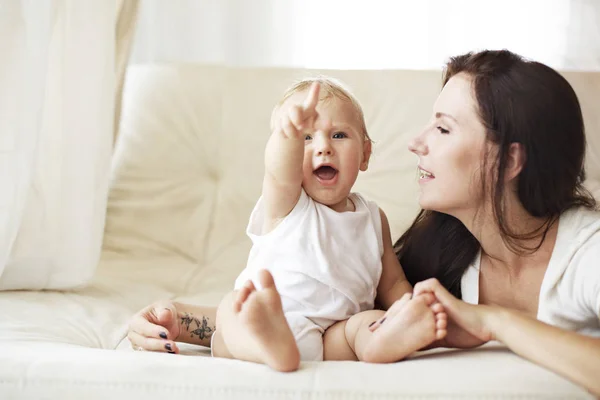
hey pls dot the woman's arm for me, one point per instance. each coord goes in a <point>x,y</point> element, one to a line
<point>196,323</point>
<point>572,355</point>
<point>159,326</point>
<point>567,353</point>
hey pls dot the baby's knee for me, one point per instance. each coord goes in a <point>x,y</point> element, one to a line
<point>335,344</point>
<point>227,300</point>
<point>225,308</point>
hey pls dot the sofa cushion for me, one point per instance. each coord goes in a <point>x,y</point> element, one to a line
<point>53,371</point>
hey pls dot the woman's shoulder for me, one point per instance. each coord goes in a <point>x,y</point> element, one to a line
<point>578,243</point>
<point>581,214</point>
<point>570,294</point>
<point>579,225</point>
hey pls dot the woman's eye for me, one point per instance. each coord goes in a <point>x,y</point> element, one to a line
<point>307,137</point>
<point>339,135</point>
<point>442,130</point>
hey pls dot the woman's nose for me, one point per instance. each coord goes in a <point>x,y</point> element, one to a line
<point>417,145</point>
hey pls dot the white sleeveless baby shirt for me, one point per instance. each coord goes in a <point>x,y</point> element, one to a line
<point>326,264</point>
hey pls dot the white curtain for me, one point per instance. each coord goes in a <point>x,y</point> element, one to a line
<point>58,80</point>
<point>365,34</point>
<point>583,36</point>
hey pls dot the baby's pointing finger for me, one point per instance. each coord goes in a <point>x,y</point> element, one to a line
<point>310,104</point>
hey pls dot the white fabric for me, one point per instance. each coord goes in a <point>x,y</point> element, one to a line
<point>187,171</point>
<point>308,335</point>
<point>56,130</point>
<point>66,372</point>
<point>326,264</point>
<point>570,292</point>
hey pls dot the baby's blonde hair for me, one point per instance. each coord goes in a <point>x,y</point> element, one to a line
<point>330,87</point>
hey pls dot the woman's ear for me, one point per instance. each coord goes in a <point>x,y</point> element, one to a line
<point>366,155</point>
<point>515,161</point>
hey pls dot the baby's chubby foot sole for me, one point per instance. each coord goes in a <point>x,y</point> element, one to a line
<point>413,326</point>
<point>261,314</point>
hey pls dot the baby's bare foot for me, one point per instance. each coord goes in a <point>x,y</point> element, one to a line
<point>441,321</point>
<point>413,326</point>
<point>260,312</point>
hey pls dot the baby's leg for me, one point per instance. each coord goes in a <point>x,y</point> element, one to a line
<point>251,326</point>
<point>335,345</point>
<point>409,326</point>
<point>336,341</point>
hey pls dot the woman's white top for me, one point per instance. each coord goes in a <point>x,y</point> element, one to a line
<point>570,292</point>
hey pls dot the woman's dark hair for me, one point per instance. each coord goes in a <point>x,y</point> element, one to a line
<point>519,101</point>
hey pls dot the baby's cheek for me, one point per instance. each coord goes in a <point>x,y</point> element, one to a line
<point>307,163</point>
<point>355,158</point>
<point>307,169</point>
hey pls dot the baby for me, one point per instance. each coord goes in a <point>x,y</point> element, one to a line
<point>321,253</point>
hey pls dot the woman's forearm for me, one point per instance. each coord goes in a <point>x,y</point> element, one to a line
<point>572,355</point>
<point>196,323</point>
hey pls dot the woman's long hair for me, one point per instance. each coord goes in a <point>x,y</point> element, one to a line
<point>518,101</point>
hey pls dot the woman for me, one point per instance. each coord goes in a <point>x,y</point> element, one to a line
<point>506,222</point>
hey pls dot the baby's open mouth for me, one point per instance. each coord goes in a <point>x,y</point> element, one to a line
<point>325,173</point>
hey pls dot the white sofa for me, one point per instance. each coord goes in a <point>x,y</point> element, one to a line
<point>187,171</point>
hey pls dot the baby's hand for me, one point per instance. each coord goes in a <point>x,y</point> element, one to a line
<point>155,328</point>
<point>301,118</point>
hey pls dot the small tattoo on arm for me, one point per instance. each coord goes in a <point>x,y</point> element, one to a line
<point>194,326</point>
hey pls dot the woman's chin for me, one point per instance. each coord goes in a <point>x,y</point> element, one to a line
<point>430,204</point>
<point>425,203</point>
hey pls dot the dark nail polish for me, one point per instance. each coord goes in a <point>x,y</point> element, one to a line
<point>163,335</point>
<point>168,347</point>
<point>372,323</point>
<point>171,352</point>
<point>382,321</point>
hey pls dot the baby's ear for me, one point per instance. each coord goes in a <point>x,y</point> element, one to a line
<point>367,148</point>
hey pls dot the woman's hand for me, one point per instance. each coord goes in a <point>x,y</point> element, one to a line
<point>155,328</point>
<point>457,338</point>
<point>469,324</point>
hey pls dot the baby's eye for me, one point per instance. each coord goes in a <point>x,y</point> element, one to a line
<point>307,137</point>
<point>442,130</point>
<point>339,135</point>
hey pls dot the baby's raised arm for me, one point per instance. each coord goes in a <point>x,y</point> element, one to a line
<point>284,156</point>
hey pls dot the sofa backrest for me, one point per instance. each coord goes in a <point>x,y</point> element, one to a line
<point>188,165</point>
